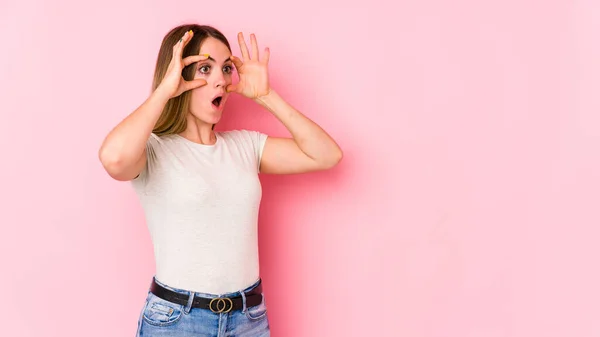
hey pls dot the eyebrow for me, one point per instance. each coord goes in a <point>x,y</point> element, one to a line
<point>212,59</point>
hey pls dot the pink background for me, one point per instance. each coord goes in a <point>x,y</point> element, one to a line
<point>466,204</point>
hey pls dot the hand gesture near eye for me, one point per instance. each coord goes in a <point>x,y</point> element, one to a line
<point>253,75</point>
<point>173,84</point>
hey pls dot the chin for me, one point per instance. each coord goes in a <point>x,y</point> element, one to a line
<point>213,118</point>
<point>208,117</point>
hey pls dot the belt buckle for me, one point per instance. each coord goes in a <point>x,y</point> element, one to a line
<point>223,305</point>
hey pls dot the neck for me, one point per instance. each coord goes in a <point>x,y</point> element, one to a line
<point>199,132</point>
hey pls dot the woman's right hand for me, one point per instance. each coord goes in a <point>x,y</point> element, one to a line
<point>173,84</point>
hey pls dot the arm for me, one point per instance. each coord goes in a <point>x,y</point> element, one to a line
<point>123,151</point>
<point>309,149</point>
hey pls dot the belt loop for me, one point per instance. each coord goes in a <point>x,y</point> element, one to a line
<point>188,306</point>
<point>243,301</point>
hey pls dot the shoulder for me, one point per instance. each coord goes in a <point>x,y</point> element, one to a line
<point>236,133</point>
<point>154,138</point>
<point>156,141</point>
<point>250,142</point>
<point>158,146</point>
<point>244,136</point>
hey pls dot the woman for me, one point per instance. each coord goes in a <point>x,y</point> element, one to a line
<point>199,188</point>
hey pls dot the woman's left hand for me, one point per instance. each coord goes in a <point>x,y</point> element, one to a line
<point>253,73</point>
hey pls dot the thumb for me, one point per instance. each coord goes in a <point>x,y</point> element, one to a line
<point>231,88</point>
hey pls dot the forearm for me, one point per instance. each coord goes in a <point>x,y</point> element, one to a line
<point>308,135</point>
<point>126,142</point>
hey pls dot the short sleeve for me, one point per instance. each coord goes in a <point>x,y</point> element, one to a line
<point>151,145</point>
<point>260,139</point>
<point>254,143</point>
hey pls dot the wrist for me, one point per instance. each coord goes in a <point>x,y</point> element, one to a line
<point>161,95</point>
<point>267,98</point>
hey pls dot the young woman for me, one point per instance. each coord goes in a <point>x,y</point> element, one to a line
<point>199,188</point>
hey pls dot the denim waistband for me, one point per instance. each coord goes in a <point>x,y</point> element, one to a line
<point>207,295</point>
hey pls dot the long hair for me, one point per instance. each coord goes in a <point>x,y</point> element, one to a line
<point>173,117</point>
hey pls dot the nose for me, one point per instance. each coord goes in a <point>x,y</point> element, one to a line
<point>219,79</point>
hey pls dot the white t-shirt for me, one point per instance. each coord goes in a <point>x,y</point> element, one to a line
<point>201,205</point>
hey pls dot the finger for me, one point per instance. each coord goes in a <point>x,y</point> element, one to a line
<point>193,84</point>
<point>194,58</point>
<point>243,47</point>
<point>178,47</point>
<point>254,46</point>
<point>266,56</point>
<point>236,62</point>
<point>231,88</point>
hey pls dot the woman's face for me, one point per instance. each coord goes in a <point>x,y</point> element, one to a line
<point>208,101</point>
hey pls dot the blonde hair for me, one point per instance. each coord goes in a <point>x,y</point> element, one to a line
<point>173,117</point>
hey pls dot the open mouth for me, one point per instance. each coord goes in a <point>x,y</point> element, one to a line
<point>217,101</point>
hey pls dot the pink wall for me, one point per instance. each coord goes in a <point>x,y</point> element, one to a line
<point>466,204</point>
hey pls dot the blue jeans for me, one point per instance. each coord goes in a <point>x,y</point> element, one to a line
<point>164,318</point>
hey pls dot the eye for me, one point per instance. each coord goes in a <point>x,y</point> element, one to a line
<point>204,69</point>
<point>227,69</point>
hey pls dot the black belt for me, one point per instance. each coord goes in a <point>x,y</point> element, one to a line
<point>216,305</point>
